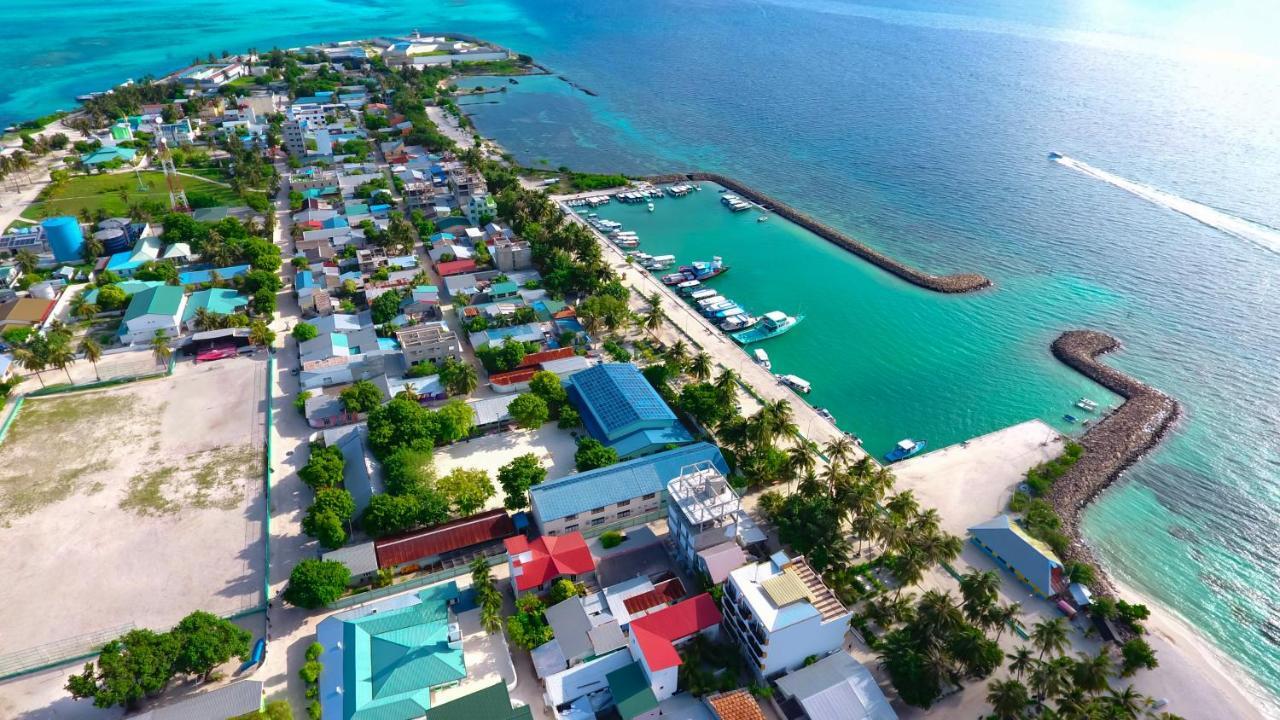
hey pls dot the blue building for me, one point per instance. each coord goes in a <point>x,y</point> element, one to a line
<point>1030,560</point>
<point>65,238</point>
<point>612,494</point>
<point>622,410</point>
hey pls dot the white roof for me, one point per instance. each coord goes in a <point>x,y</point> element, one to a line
<point>748,579</point>
<point>838,686</point>
<point>776,316</point>
<point>906,444</point>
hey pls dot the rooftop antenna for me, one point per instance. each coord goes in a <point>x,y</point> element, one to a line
<point>177,196</point>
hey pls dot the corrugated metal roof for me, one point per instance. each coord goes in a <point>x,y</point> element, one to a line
<point>489,703</point>
<point>785,588</point>
<point>837,686</point>
<point>238,698</point>
<point>632,692</point>
<point>456,535</point>
<point>359,559</point>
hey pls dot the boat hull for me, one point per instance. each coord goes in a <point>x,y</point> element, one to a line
<point>760,332</point>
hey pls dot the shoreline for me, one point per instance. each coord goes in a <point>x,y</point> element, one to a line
<point>1112,445</point>
<point>948,284</point>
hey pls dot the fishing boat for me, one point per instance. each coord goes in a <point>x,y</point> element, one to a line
<point>825,414</point>
<point>688,287</point>
<point>675,279</point>
<point>627,242</point>
<point>795,382</point>
<point>703,270</point>
<point>702,294</point>
<point>728,312</point>
<point>772,324</point>
<point>1070,418</point>
<point>1087,405</point>
<point>706,301</point>
<point>741,321</point>
<point>904,449</point>
<point>762,359</point>
<point>650,206</point>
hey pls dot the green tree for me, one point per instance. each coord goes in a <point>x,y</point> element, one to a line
<point>706,404</point>
<point>327,517</point>
<point>112,297</point>
<point>529,411</point>
<point>454,421</point>
<point>92,352</point>
<point>407,470</point>
<point>528,628</point>
<point>361,396</point>
<point>459,378</point>
<point>400,423</point>
<point>517,476</point>
<point>1050,636</point>
<point>562,590</point>
<point>1008,698</point>
<point>316,583</point>
<point>467,489</point>
<point>812,526</point>
<point>261,334</point>
<point>386,307</point>
<point>547,386</point>
<point>390,514</point>
<point>160,348</point>
<point>569,418</point>
<point>206,641</point>
<point>326,528</point>
<point>136,666</point>
<point>324,467</point>
<point>1137,654</point>
<point>303,332</point>
<point>591,454</point>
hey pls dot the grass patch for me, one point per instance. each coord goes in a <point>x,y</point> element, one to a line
<point>37,490</point>
<point>94,192</point>
<point>204,480</point>
<point>146,493</point>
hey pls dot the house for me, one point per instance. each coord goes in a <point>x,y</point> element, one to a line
<point>24,312</point>
<point>211,76</point>
<point>584,687</point>
<point>214,301</point>
<point>780,613</point>
<point>154,310</point>
<point>358,475</point>
<point>109,156</point>
<point>654,639</point>
<point>361,560</point>
<point>704,513</point>
<point>383,659</point>
<point>491,413</point>
<point>126,263</point>
<point>457,542</point>
<point>534,564</point>
<point>835,686</point>
<point>455,267</point>
<point>623,411</point>
<point>1030,560</point>
<point>561,361</point>
<point>639,596</point>
<point>631,692</point>
<point>735,705</point>
<point>488,703</point>
<point>428,342</point>
<point>613,494</point>
<point>206,275</point>
<point>326,411</point>
<point>176,133</point>
<point>584,628</point>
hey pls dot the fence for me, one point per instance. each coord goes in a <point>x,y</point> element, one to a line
<point>266,483</point>
<point>417,582</point>
<point>109,382</point>
<point>13,413</point>
<point>59,652</point>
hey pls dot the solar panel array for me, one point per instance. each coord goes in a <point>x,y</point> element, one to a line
<point>19,240</point>
<point>620,395</point>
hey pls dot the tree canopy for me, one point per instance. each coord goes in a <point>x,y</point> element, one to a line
<point>316,583</point>
<point>361,396</point>
<point>517,476</point>
<point>529,411</point>
<point>466,489</point>
<point>592,454</point>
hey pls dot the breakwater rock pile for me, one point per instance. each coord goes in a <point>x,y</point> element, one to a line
<point>1114,443</point>
<point>961,283</point>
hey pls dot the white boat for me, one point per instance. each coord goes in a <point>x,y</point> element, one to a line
<point>762,218</point>
<point>688,287</point>
<point>795,382</point>
<point>741,321</point>
<point>762,359</point>
<point>650,206</point>
<point>1087,404</point>
<point>702,294</point>
<point>708,300</point>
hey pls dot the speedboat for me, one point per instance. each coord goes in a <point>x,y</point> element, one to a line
<point>650,206</point>
<point>1087,405</point>
<point>825,414</point>
<point>1055,156</point>
<point>762,359</point>
<point>795,382</point>
<point>904,449</point>
<point>1070,418</point>
<point>741,321</point>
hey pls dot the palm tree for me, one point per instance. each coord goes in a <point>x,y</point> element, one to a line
<point>727,382</point>
<point>978,588</point>
<point>839,451</point>
<point>1008,699</point>
<point>87,310</point>
<point>891,532</point>
<point>1050,636</point>
<point>160,348</point>
<point>937,615</point>
<point>904,505</point>
<point>26,260</point>
<point>678,355</point>
<point>261,334</point>
<point>653,319</point>
<point>1091,671</point>
<point>1020,661</point>
<point>779,419</point>
<point>62,357</point>
<point>1128,702</point>
<point>1001,617</point>
<point>800,458</point>
<point>700,367</point>
<point>1048,679</point>
<point>1073,704</point>
<point>92,352</point>
<point>30,360</point>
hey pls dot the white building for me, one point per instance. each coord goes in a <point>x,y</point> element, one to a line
<point>703,515</point>
<point>155,309</point>
<point>780,612</point>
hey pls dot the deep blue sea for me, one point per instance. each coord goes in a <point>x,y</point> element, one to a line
<point>921,127</point>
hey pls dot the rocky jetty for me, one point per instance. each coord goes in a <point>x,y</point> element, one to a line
<point>961,283</point>
<point>1113,444</point>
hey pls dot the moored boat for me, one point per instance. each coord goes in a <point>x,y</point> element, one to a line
<point>762,359</point>
<point>772,324</point>
<point>675,279</point>
<point>741,321</point>
<point>1087,405</point>
<point>905,449</point>
<point>795,382</point>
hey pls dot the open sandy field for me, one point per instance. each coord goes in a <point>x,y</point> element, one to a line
<point>553,447</point>
<point>133,505</point>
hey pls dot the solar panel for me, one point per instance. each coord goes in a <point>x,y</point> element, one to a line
<point>18,240</point>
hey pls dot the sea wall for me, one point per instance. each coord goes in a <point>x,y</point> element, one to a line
<point>961,283</point>
<point>1113,444</point>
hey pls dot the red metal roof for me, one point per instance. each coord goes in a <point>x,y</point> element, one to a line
<point>537,358</point>
<point>551,557</point>
<point>455,267</point>
<point>513,377</point>
<point>455,535</point>
<point>664,593</point>
<point>657,634</point>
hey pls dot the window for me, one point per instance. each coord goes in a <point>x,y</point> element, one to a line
<point>597,510</point>
<point>597,521</point>
<point>574,516</point>
<point>624,513</point>
<point>570,528</point>
<point>624,503</point>
<point>650,496</point>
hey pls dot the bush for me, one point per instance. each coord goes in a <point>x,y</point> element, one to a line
<point>617,352</point>
<point>323,468</point>
<point>569,418</point>
<point>529,411</point>
<point>313,710</point>
<point>611,539</point>
<point>303,332</point>
<point>314,651</point>
<point>310,672</point>
<point>300,402</point>
<point>422,369</point>
<point>316,583</point>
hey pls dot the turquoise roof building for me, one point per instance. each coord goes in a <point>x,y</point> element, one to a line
<point>105,155</point>
<point>219,301</point>
<point>622,410</point>
<point>382,660</point>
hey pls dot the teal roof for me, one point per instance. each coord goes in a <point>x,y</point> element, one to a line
<point>130,287</point>
<point>219,301</point>
<point>391,660</point>
<point>490,703</point>
<point>504,288</point>
<point>631,691</point>
<point>108,154</point>
<point>159,300</point>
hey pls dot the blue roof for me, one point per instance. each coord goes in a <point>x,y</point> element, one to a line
<point>337,221</point>
<point>583,491</point>
<point>621,409</point>
<point>1004,539</point>
<point>197,277</point>
<point>123,261</point>
<point>303,280</point>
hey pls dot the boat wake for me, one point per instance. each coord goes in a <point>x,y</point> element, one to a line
<point>1264,236</point>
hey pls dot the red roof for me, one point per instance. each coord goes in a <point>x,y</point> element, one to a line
<point>455,267</point>
<point>657,634</point>
<point>513,377</point>
<point>551,557</point>
<point>531,364</point>
<point>456,535</point>
<point>536,359</point>
<point>664,593</point>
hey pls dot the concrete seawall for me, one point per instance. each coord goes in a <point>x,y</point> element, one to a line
<point>961,283</point>
<point>1113,444</point>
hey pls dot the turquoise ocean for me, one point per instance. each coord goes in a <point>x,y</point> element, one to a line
<point>921,127</point>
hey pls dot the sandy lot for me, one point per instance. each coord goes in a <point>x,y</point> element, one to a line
<point>133,505</point>
<point>553,447</point>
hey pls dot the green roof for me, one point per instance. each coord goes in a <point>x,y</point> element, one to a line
<point>219,301</point>
<point>504,288</point>
<point>631,691</point>
<point>490,703</point>
<point>393,659</point>
<point>108,154</point>
<point>159,300</point>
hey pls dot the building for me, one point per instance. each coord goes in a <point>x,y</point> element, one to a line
<point>622,410</point>
<point>453,543</point>
<point>295,138</point>
<point>584,628</point>
<point>326,411</point>
<point>361,560</point>
<point>655,637</point>
<point>358,474</point>
<point>510,256</point>
<point>428,342</point>
<point>214,301</point>
<point>582,690</point>
<point>535,564</point>
<point>1030,560</point>
<point>154,310</point>
<point>65,238</point>
<point>613,494</point>
<point>383,660</point>
<point>492,413</point>
<point>837,686</point>
<point>706,523</point>
<point>780,613</point>
<point>734,705</point>
<point>233,700</point>
<point>24,312</point>
<point>631,693</point>
<point>109,156</point>
<point>488,703</point>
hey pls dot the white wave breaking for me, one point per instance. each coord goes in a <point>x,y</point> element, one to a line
<point>1261,235</point>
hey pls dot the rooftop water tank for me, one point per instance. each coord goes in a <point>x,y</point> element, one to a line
<point>114,240</point>
<point>65,238</point>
